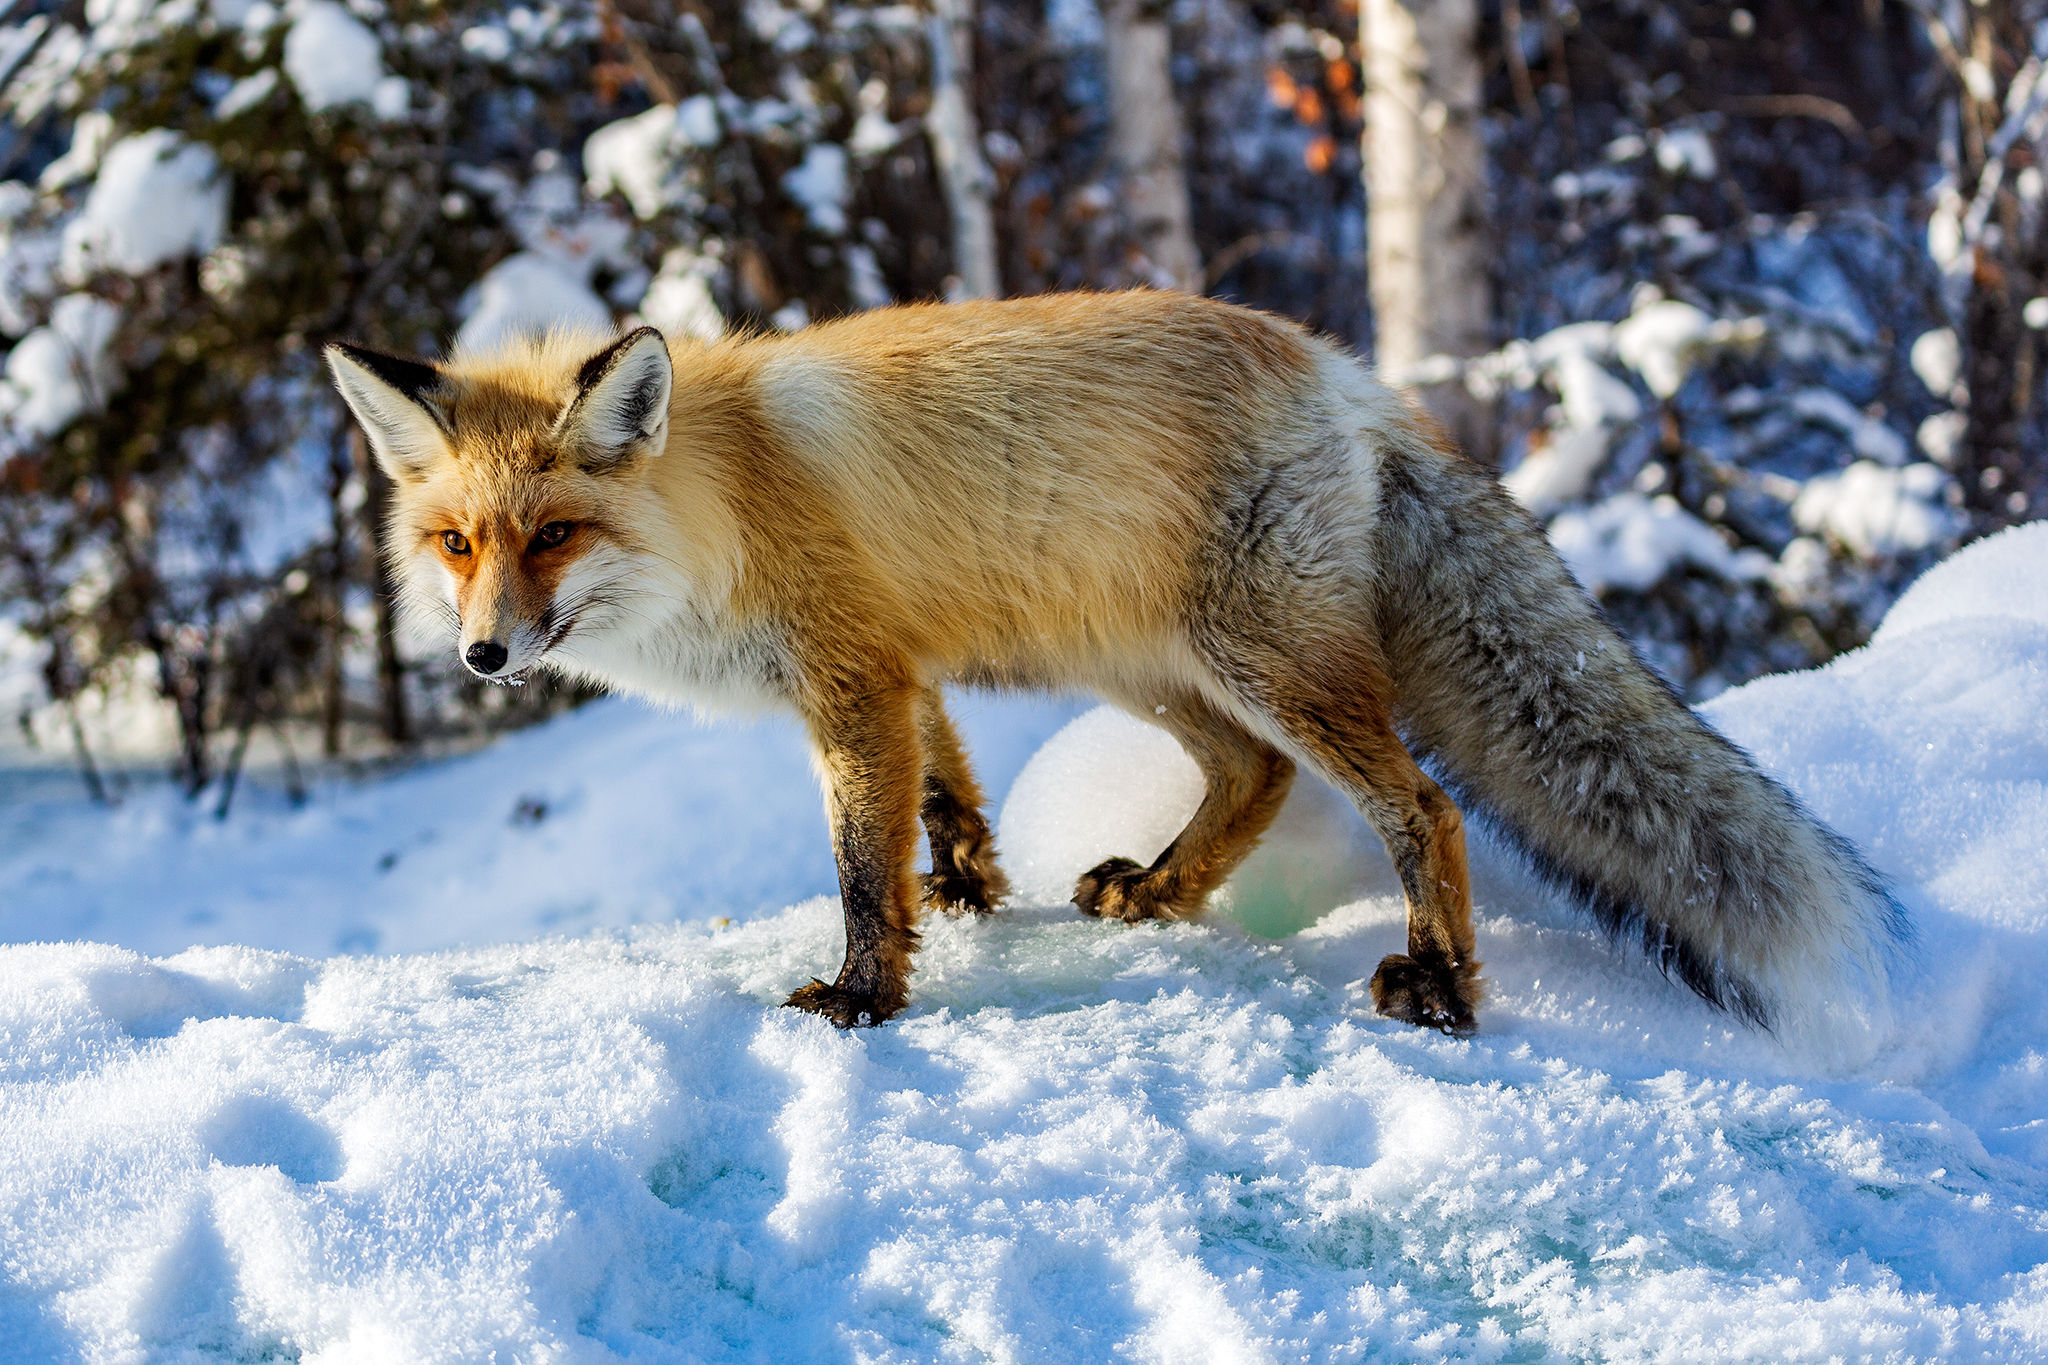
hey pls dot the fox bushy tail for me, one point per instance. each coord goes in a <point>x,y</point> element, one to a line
<point>1542,720</point>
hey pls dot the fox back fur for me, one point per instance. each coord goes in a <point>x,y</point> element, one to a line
<point>1202,513</point>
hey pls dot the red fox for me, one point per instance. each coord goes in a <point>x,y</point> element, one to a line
<point>1202,513</point>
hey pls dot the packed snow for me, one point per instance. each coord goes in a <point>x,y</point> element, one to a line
<point>483,1059</point>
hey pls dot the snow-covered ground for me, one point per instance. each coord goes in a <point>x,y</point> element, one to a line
<point>482,1061</point>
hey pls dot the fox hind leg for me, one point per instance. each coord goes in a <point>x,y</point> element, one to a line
<point>964,875</point>
<point>1346,730</point>
<point>1246,781</point>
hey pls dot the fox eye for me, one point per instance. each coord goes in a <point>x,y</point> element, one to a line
<point>454,542</point>
<point>552,535</point>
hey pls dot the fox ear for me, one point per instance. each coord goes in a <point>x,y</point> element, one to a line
<point>392,398</point>
<point>621,405</point>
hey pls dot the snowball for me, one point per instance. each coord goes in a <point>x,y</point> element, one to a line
<point>332,57</point>
<point>819,183</point>
<point>62,370</point>
<point>529,293</point>
<point>1111,785</point>
<point>1875,512</point>
<point>157,197</point>
<point>1630,541</point>
<point>1937,357</point>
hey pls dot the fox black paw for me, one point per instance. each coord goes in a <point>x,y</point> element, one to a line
<point>1428,994</point>
<point>846,1008</point>
<point>959,893</point>
<point>1120,889</point>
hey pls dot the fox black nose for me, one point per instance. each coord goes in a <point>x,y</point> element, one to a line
<point>486,656</point>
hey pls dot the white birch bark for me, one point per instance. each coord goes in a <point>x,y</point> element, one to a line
<point>1425,190</point>
<point>956,147</point>
<point>1145,139</point>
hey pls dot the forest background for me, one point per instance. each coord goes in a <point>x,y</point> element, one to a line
<point>1746,301</point>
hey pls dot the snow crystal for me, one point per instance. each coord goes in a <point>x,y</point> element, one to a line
<point>819,183</point>
<point>332,57</point>
<point>1875,511</point>
<point>529,292</point>
<point>157,197</point>
<point>1631,541</point>
<point>61,370</point>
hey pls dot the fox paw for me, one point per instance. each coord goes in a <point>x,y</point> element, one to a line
<point>1120,889</point>
<point>846,1008</point>
<point>962,892</point>
<point>1428,994</point>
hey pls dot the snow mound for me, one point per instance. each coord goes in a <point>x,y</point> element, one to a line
<point>1999,576</point>
<point>1083,1142</point>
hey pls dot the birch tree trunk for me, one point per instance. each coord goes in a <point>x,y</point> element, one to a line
<point>1145,139</point>
<point>956,148</point>
<point>1425,191</point>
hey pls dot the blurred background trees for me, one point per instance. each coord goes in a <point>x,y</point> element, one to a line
<point>1746,300</point>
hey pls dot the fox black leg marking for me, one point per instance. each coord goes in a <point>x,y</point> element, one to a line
<point>964,873</point>
<point>867,747</point>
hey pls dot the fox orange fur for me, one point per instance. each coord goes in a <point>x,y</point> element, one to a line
<point>1199,512</point>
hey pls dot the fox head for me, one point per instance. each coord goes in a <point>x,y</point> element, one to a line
<point>507,521</point>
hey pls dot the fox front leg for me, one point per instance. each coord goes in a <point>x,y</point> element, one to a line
<point>868,749</point>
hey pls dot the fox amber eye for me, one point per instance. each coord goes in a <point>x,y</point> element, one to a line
<point>551,535</point>
<point>454,543</point>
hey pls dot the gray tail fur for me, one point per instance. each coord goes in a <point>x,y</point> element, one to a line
<point>1542,720</point>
